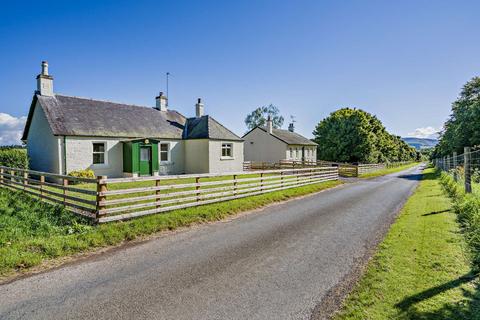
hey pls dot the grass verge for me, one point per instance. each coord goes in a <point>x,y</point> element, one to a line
<point>422,269</point>
<point>32,232</point>
<point>387,171</point>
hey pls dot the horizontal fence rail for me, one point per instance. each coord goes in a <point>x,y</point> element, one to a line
<point>345,169</point>
<point>126,198</point>
<point>53,188</point>
<point>109,199</point>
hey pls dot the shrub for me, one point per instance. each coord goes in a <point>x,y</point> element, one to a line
<point>467,208</point>
<point>14,158</point>
<point>450,186</point>
<point>86,173</point>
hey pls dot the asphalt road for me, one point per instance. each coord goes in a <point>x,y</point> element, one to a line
<point>277,263</point>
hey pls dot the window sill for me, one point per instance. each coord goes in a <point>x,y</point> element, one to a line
<point>100,165</point>
<point>227,158</point>
<point>166,163</point>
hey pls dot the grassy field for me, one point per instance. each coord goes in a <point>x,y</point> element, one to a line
<point>388,171</point>
<point>32,232</point>
<point>422,269</point>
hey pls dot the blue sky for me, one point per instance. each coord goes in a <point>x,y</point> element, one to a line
<point>404,61</point>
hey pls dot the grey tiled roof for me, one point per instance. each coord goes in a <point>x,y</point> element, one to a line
<point>206,127</point>
<point>73,116</point>
<point>290,137</point>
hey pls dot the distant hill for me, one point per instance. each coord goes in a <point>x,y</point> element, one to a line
<point>421,143</point>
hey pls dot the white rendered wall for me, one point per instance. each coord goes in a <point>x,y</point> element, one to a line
<point>196,156</point>
<point>42,145</point>
<point>262,146</point>
<point>176,161</point>
<point>79,156</point>
<point>225,164</point>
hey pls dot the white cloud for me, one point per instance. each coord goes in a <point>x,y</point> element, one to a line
<point>11,129</point>
<point>426,132</point>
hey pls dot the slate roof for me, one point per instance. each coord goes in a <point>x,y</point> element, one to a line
<point>207,128</point>
<point>73,116</point>
<point>288,137</point>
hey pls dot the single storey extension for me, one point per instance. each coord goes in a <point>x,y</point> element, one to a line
<point>267,144</point>
<point>66,133</point>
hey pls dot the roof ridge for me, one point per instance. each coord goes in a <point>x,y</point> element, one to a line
<point>113,102</point>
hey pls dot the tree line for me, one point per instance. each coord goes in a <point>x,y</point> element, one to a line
<point>347,135</point>
<point>353,135</point>
<point>462,129</point>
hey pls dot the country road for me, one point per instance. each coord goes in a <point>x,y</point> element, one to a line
<point>276,263</point>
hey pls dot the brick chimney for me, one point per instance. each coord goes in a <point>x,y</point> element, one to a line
<point>291,127</point>
<point>161,102</point>
<point>45,81</point>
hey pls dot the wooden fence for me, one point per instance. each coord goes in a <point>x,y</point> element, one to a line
<point>110,199</point>
<point>344,169</point>
<point>53,188</point>
<point>127,198</point>
<point>284,164</point>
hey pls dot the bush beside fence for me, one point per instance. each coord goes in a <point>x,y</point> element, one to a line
<point>14,158</point>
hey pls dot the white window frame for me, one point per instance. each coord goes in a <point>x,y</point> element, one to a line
<point>291,153</point>
<point>168,152</point>
<point>231,150</point>
<point>105,154</point>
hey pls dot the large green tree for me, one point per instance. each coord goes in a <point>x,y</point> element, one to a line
<point>462,129</point>
<point>258,117</point>
<point>353,135</point>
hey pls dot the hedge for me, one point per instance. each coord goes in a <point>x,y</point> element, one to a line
<point>15,158</point>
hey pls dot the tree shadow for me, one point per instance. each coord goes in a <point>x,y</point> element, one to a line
<point>435,212</point>
<point>467,308</point>
<point>418,176</point>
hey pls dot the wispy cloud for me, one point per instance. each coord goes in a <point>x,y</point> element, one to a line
<point>11,129</point>
<point>426,132</point>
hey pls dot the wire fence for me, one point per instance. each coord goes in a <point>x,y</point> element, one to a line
<point>464,167</point>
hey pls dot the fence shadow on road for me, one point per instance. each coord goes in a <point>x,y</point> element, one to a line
<point>468,308</point>
<point>417,176</point>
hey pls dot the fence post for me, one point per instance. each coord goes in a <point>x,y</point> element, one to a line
<point>42,181</point>
<point>25,180</point>
<point>197,187</point>
<point>12,173</point>
<point>261,181</point>
<point>234,184</point>
<point>101,187</point>
<point>281,179</point>
<point>65,185</point>
<point>1,175</point>
<point>468,177</point>
<point>157,193</point>
<point>455,165</point>
<point>357,170</point>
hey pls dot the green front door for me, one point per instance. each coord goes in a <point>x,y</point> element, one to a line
<point>146,160</point>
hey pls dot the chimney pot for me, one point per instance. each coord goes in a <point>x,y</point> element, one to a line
<point>291,127</point>
<point>45,81</point>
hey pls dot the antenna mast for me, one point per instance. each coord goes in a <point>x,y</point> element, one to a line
<point>168,97</point>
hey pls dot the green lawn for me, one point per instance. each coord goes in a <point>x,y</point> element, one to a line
<point>387,171</point>
<point>32,232</point>
<point>422,269</point>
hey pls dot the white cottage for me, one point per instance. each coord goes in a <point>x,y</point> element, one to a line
<point>268,144</point>
<point>65,133</point>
